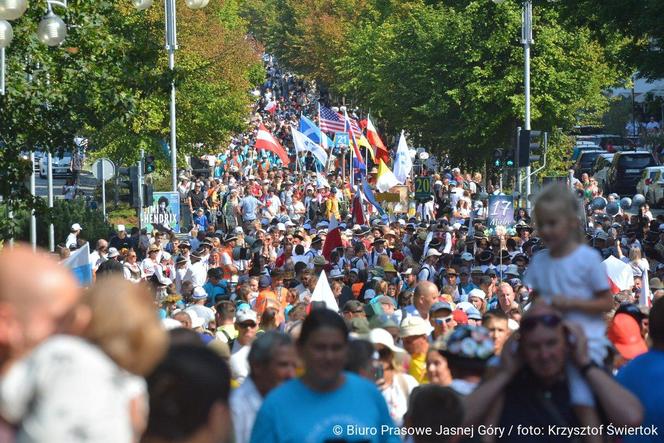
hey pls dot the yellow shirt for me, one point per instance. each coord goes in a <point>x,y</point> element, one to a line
<point>332,207</point>
<point>418,368</point>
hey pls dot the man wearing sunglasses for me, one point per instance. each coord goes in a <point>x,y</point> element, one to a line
<point>532,385</point>
<point>441,318</point>
<point>246,323</point>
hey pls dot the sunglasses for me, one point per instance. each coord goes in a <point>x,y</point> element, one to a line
<point>443,320</point>
<point>548,320</point>
<point>385,353</point>
<point>247,325</point>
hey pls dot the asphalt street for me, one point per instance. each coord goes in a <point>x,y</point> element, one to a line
<point>87,184</point>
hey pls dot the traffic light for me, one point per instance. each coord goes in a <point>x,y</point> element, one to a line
<point>134,186</point>
<point>498,158</point>
<point>509,158</point>
<point>530,144</point>
<point>148,164</point>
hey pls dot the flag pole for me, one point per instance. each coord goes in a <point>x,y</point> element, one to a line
<point>350,148</point>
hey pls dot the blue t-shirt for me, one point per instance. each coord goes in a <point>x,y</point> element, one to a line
<point>249,205</point>
<point>642,376</point>
<point>354,412</point>
<point>201,222</point>
<point>215,292</point>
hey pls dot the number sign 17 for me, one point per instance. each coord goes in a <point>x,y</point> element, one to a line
<point>500,208</point>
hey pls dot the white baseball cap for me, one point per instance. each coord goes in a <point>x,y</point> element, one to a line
<point>380,336</point>
<point>76,227</point>
<point>433,253</point>
<point>477,293</point>
<point>246,315</point>
<point>121,228</point>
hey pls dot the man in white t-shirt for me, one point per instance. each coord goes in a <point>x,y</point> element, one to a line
<point>246,323</point>
<point>273,360</point>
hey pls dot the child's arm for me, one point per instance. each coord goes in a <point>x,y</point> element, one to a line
<point>600,304</point>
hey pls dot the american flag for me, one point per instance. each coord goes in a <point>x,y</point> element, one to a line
<point>330,121</point>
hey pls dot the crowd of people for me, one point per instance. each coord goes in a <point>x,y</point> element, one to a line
<point>437,320</point>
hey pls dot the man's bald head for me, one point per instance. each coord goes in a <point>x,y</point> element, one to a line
<point>425,295</point>
<point>36,292</point>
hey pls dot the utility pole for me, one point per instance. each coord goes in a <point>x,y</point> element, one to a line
<point>140,190</point>
<point>527,41</point>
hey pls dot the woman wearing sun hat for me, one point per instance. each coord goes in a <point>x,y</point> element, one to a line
<point>394,384</point>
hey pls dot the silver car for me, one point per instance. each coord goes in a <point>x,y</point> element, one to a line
<point>61,165</point>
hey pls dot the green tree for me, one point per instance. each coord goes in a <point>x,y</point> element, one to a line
<point>452,76</point>
<point>110,82</point>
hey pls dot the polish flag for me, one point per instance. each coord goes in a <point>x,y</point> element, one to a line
<point>357,211</point>
<point>333,239</point>
<point>381,151</point>
<point>271,107</point>
<point>266,141</point>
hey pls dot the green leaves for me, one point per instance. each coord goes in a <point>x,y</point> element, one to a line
<point>110,83</point>
<point>449,72</point>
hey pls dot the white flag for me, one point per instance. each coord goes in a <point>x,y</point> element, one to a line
<point>402,162</point>
<point>303,144</point>
<point>386,179</point>
<point>323,293</point>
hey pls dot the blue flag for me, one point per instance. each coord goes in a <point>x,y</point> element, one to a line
<point>368,193</point>
<point>313,132</point>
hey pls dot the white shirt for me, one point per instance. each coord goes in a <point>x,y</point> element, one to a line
<point>396,398</point>
<point>245,402</point>
<point>197,274</point>
<point>147,266</point>
<point>96,259</point>
<point>579,275</point>
<point>239,362</point>
<point>71,240</point>
<point>67,390</point>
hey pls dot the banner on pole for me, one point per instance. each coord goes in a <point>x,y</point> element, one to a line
<point>163,214</point>
<point>501,210</point>
<point>341,139</point>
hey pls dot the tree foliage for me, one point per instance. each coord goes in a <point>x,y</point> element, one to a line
<point>639,22</point>
<point>110,82</point>
<point>449,72</point>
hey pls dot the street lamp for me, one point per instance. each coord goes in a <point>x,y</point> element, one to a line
<point>526,41</point>
<point>171,46</point>
<point>142,4</point>
<point>12,9</point>
<point>52,29</point>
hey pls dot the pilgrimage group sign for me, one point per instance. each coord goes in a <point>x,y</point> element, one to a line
<point>501,210</point>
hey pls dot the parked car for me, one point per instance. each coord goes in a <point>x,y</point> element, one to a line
<point>585,162</point>
<point>655,193</point>
<point>582,147</point>
<point>625,171</point>
<point>601,168</point>
<point>648,177</point>
<point>61,165</point>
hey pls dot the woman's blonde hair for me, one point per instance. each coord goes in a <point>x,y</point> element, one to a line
<point>125,325</point>
<point>634,254</point>
<point>565,203</point>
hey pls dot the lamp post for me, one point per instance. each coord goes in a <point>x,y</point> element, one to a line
<point>52,29</point>
<point>171,46</point>
<point>526,41</point>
